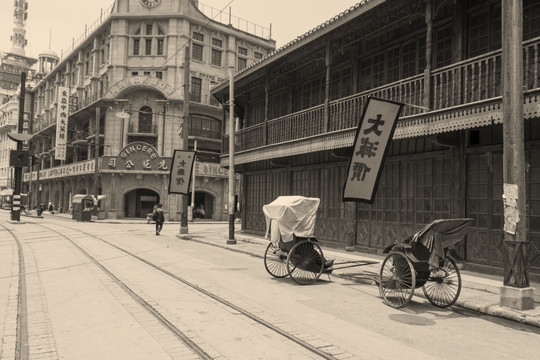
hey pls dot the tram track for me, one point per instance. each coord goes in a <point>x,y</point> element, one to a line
<point>308,343</point>
<point>21,341</point>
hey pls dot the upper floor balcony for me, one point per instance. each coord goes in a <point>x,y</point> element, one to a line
<point>463,95</point>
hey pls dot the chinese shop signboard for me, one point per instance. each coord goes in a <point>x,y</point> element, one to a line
<point>62,123</point>
<point>373,138</point>
<point>181,168</point>
<point>136,156</point>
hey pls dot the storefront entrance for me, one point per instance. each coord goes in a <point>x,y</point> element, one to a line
<point>204,205</point>
<point>139,202</point>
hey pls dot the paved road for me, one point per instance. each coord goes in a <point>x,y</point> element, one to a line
<point>89,317</point>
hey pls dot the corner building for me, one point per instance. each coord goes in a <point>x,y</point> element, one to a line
<point>301,107</point>
<point>122,89</point>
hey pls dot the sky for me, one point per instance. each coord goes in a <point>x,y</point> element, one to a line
<point>66,19</point>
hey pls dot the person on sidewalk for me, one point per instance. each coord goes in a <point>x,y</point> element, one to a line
<point>159,217</point>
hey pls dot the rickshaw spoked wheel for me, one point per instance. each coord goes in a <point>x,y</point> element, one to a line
<point>305,262</point>
<point>275,261</point>
<point>444,284</point>
<point>397,280</point>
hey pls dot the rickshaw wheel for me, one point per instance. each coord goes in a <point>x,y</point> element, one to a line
<point>444,285</point>
<point>398,280</point>
<point>305,262</point>
<point>275,261</point>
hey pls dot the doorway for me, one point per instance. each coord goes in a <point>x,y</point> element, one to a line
<point>139,202</point>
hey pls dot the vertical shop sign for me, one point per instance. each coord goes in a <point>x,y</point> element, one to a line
<point>373,138</point>
<point>181,168</point>
<point>62,123</point>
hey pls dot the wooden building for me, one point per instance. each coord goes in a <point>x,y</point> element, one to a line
<point>124,87</point>
<point>298,111</point>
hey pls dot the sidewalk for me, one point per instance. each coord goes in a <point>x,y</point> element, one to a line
<point>479,292</point>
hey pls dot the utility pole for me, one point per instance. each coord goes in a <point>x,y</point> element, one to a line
<point>96,159</point>
<point>191,211</point>
<point>185,139</point>
<point>16,199</point>
<point>232,186</point>
<point>516,292</point>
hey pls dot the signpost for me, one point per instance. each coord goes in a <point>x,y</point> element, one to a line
<point>373,138</point>
<point>181,169</point>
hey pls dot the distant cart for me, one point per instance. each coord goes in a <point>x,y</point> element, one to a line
<point>82,207</point>
<point>422,261</point>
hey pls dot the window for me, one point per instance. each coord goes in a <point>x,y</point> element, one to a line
<point>409,59</point>
<point>134,73</point>
<point>147,73</point>
<point>217,42</point>
<point>392,65</point>
<point>198,36</point>
<point>257,55</point>
<point>87,62</point>
<point>197,53</point>
<point>242,51</point>
<point>242,63</point>
<point>153,42</point>
<point>148,46</point>
<point>159,74</point>
<point>145,119</point>
<point>136,46</point>
<point>443,45</point>
<point>160,43</point>
<point>216,57</point>
<point>196,88</point>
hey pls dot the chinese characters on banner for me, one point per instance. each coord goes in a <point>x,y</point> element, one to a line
<point>373,139</point>
<point>62,123</point>
<point>181,168</point>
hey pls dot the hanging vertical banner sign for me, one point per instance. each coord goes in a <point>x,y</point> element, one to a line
<point>373,138</point>
<point>62,123</point>
<point>181,169</point>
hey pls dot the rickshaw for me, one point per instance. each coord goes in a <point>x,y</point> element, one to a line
<point>422,260</point>
<point>293,251</point>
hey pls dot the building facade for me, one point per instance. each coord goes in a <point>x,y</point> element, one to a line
<point>299,110</point>
<point>107,118</point>
<point>12,64</point>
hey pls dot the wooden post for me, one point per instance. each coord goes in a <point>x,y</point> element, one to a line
<point>429,51</point>
<point>514,196</point>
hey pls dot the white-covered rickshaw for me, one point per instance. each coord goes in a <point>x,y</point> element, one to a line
<point>293,250</point>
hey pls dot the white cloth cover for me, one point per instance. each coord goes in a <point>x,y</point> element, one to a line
<point>288,215</point>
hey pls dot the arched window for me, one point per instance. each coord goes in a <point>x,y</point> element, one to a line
<point>145,119</point>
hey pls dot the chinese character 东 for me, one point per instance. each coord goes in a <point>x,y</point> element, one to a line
<point>375,128</point>
<point>129,164</point>
<point>367,148</point>
<point>359,171</point>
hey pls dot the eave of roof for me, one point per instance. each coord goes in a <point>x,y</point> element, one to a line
<point>312,35</point>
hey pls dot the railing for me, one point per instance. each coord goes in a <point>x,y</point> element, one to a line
<point>227,18</point>
<point>468,81</point>
<point>135,128</point>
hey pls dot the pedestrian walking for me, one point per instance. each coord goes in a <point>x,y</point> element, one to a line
<point>159,217</point>
<point>50,207</point>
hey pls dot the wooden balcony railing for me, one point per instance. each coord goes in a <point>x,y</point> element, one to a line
<point>475,79</point>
